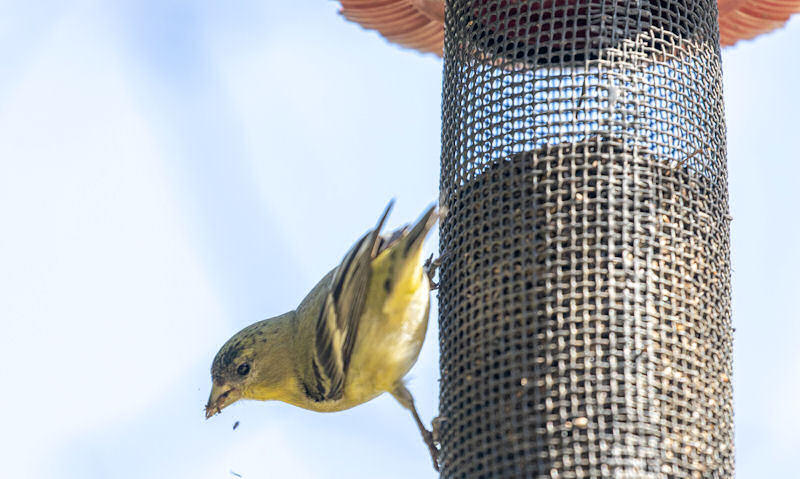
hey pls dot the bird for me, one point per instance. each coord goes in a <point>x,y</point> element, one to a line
<point>352,338</point>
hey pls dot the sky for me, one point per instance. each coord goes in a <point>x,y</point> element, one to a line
<point>172,171</point>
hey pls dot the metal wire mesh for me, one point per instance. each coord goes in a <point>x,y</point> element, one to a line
<point>585,287</point>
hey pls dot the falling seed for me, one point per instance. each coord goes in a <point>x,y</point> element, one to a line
<point>523,381</point>
<point>234,473</point>
<point>235,425</point>
<point>581,422</point>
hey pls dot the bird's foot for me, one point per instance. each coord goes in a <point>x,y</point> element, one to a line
<point>430,267</point>
<point>404,397</point>
<point>436,426</point>
<point>427,436</point>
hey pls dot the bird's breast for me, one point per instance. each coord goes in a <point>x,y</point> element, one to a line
<point>389,340</point>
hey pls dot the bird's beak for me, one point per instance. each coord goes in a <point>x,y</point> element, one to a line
<point>220,398</point>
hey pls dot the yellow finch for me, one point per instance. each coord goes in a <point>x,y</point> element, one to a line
<point>352,338</point>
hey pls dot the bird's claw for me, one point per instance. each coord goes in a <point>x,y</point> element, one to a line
<point>430,267</point>
<point>436,425</point>
<point>427,436</point>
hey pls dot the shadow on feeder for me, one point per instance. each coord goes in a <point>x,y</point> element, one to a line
<point>585,302</point>
<point>559,32</point>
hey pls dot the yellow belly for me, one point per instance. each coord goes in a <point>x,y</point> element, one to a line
<point>389,341</point>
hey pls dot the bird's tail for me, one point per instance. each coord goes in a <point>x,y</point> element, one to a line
<point>399,260</point>
<point>375,235</point>
<point>419,231</point>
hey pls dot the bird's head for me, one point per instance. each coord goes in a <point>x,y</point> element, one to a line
<point>250,364</point>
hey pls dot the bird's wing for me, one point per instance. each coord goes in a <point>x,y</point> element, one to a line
<point>337,326</point>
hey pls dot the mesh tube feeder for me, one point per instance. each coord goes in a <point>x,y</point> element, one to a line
<point>585,289</point>
<point>585,284</point>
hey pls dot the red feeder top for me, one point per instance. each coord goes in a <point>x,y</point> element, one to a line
<point>419,24</point>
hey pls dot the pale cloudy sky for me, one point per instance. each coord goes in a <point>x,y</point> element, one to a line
<point>173,170</point>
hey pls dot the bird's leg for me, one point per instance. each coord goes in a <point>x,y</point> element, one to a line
<point>404,397</point>
<point>430,267</point>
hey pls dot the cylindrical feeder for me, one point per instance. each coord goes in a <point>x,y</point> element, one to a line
<point>585,283</point>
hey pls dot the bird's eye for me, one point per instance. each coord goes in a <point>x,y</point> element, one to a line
<point>243,369</point>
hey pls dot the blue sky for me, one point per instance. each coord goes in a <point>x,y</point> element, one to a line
<point>171,171</point>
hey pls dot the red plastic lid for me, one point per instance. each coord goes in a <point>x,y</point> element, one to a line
<point>419,24</point>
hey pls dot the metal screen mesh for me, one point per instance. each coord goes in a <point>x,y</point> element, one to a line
<point>585,287</point>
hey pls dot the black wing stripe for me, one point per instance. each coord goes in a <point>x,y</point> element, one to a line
<point>339,316</point>
<point>326,361</point>
<point>366,250</point>
<point>347,270</point>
